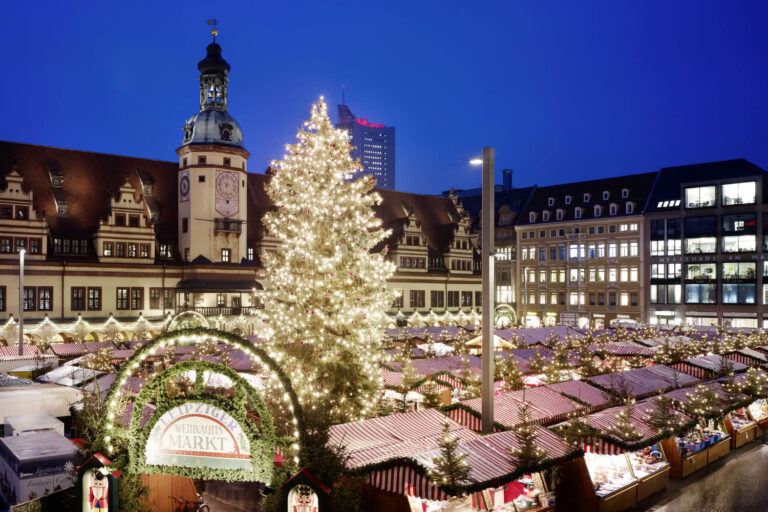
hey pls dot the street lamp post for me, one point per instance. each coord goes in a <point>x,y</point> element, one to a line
<point>21,302</point>
<point>487,220</point>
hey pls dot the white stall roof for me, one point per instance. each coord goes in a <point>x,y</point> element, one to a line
<point>39,445</point>
<point>34,422</point>
<point>69,375</point>
<point>49,399</point>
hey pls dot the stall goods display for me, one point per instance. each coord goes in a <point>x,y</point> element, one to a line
<point>609,472</point>
<point>647,461</point>
<point>759,409</point>
<point>739,420</point>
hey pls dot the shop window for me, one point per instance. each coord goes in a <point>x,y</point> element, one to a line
<point>94,298</point>
<point>739,193</point>
<point>739,270</point>
<point>169,299</point>
<point>744,223</point>
<point>417,299</point>
<point>699,293</point>
<point>738,293</point>
<point>703,245</point>
<point>137,298</point>
<point>121,299</point>
<point>700,197</point>
<point>77,302</point>
<point>437,298</point>
<point>742,243</point>
<point>155,297</point>
<point>29,298</point>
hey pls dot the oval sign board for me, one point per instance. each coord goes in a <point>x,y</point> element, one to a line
<point>195,434</point>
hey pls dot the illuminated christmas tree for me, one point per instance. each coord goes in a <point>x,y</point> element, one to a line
<point>528,455</point>
<point>661,416</point>
<point>451,469</point>
<point>624,428</point>
<point>327,298</point>
<point>508,371</point>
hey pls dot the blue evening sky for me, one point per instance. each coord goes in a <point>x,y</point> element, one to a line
<point>564,90</point>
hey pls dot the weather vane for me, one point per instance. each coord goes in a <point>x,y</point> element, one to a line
<point>214,30</point>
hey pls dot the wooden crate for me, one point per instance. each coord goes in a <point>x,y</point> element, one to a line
<point>693,463</point>
<point>744,436</point>
<point>620,500</point>
<point>653,483</point>
<point>719,450</point>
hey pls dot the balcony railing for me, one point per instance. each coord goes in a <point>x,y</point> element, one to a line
<point>216,311</point>
<point>227,225</point>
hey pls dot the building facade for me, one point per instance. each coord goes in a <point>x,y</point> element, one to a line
<point>373,144</point>
<point>109,236</point>
<point>580,253</point>
<point>707,227</point>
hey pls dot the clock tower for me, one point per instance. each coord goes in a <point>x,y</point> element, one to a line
<point>212,182</point>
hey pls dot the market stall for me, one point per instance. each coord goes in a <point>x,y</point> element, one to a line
<point>758,411</point>
<point>642,382</point>
<point>708,367</point>
<point>742,428</point>
<point>697,447</point>
<point>749,357</point>
<point>595,399</point>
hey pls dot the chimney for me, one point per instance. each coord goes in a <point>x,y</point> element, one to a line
<point>507,179</point>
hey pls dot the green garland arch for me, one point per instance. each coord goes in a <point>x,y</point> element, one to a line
<point>262,443</point>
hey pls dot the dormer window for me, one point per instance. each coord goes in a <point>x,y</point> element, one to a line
<point>612,209</point>
<point>598,210</point>
<point>568,199</point>
<point>559,214</point>
<point>606,195</point>
<point>532,217</point>
<point>586,198</point>
<point>147,190</point>
<point>226,131</point>
<point>56,181</point>
<point>624,193</point>
<point>545,216</point>
<point>62,210</point>
<point>630,207</point>
<point>577,213</point>
<point>187,133</point>
<point>551,201</point>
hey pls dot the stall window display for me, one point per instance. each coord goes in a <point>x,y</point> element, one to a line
<point>739,419</point>
<point>647,461</point>
<point>703,435</point>
<point>527,493</point>
<point>609,473</point>
<point>758,409</point>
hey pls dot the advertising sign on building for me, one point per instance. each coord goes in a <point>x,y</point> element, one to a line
<point>195,434</point>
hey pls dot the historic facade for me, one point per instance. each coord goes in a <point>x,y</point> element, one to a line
<point>580,253</point>
<point>115,236</point>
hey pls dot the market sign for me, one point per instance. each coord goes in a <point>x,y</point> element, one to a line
<point>196,434</point>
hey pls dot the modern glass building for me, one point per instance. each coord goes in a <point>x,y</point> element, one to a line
<point>374,145</point>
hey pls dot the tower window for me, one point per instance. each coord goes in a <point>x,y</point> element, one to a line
<point>201,160</point>
<point>201,179</point>
<point>184,162</point>
<point>227,161</point>
<point>184,224</point>
<point>226,255</point>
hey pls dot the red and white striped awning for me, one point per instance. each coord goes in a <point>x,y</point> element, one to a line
<point>601,447</point>
<point>748,357</point>
<point>406,480</point>
<point>695,371</point>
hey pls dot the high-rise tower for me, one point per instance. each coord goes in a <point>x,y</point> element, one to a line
<point>212,172</point>
<point>374,145</point>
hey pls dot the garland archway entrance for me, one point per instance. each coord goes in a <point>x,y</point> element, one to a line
<point>200,433</point>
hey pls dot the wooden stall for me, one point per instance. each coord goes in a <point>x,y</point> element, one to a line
<point>700,446</point>
<point>758,411</point>
<point>742,428</point>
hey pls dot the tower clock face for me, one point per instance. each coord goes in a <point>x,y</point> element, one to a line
<point>226,185</point>
<point>184,187</point>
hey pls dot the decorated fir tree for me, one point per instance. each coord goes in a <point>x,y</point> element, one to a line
<point>473,386</point>
<point>576,429</point>
<point>537,363</point>
<point>528,454</point>
<point>702,401</point>
<point>661,417</point>
<point>508,371</point>
<point>451,469</point>
<point>755,383</point>
<point>559,368</point>
<point>624,428</point>
<point>431,395</point>
<point>327,295</point>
